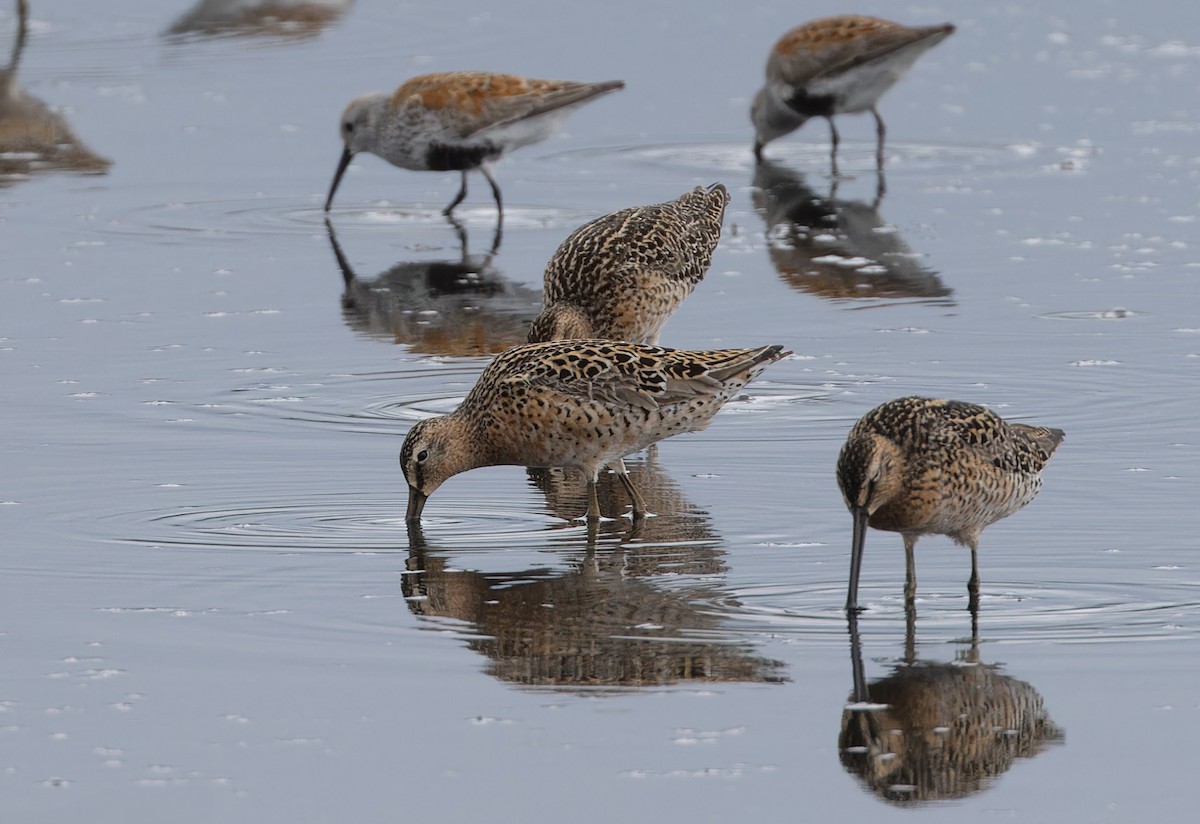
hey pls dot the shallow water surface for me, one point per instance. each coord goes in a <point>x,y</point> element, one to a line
<point>212,609</point>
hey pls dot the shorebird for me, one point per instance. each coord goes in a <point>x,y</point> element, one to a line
<point>920,466</point>
<point>582,404</point>
<point>622,275</point>
<point>836,65</point>
<point>458,121</point>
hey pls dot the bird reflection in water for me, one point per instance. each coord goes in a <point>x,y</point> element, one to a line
<point>269,18</point>
<point>461,307</point>
<point>931,730</point>
<point>836,248</point>
<point>33,137</point>
<point>676,520</point>
<point>603,623</point>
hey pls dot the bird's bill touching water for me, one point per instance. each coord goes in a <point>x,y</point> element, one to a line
<point>416,505</point>
<point>861,516</point>
<point>347,156</point>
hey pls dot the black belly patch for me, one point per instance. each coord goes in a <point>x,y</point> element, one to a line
<point>812,105</point>
<point>443,158</point>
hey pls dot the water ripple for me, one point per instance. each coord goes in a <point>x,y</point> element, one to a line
<point>332,524</point>
<point>192,221</point>
<point>1059,612</point>
<point>853,156</point>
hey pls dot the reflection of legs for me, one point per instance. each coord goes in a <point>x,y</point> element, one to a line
<point>498,236</point>
<point>834,139</point>
<point>459,230</point>
<point>460,197</point>
<point>639,506</point>
<point>910,630</point>
<point>880,133</point>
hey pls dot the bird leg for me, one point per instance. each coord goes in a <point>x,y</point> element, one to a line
<point>461,196</point>
<point>639,505</point>
<point>910,569</point>
<point>973,583</point>
<point>835,140</point>
<point>593,512</point>
<point>880,133</point>
<point>495,188</point>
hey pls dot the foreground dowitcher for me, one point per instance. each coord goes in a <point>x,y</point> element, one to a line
<point>622,275</point>
<point>583,404</point>
<point>836,65</point>
<point>458,121</point>
<point>920,466</point>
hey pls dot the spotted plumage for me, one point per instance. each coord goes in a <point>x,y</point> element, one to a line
<point>621,276</point>
<point>458,121</point>
<point>920,466</point>
<point>582,404</point>
<point>836,65</point>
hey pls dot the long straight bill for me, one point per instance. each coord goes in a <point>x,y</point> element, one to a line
<point>860,516</point>
<point>347,156</point>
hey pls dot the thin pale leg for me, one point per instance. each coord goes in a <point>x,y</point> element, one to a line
<point>639,505</point>
<point>460,197</point>
<point>880,134</point>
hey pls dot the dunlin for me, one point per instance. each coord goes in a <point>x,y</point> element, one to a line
<point>583,404</point>
<point>621,276</point>
<point>920,466</point>
<point>458,121</point>
<point>836,65</point>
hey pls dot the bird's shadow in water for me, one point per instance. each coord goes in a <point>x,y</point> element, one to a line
<point>933,730</point>
<point>602,625</point>
<point>459,307</point>
<point>34,137</point>
<point>837,248</point>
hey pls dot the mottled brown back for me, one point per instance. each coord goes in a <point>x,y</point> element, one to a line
<point>624,274</point>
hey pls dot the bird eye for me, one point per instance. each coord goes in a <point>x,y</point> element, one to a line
<point>348,127</point>
<point>422,455</point>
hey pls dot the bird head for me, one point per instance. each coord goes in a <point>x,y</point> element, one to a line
<point>870,471</point>
<point>771,120</point>
<point>357,129</point>
<point>431,453</point>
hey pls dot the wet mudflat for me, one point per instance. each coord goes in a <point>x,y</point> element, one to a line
<point>211,608</point>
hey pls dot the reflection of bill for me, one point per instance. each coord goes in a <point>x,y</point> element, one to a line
<point>837,249</point>
<point>594,626</point>
<point>931,731</point>
<point>34,138</point>
<point>274,18</point>
<point>462,307</point>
